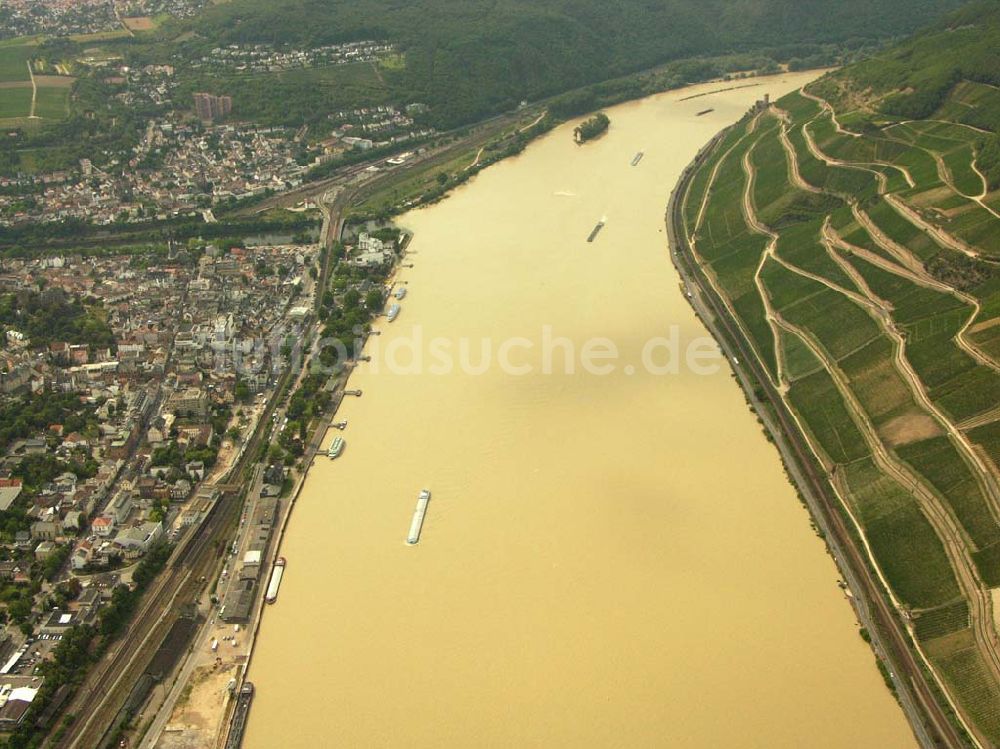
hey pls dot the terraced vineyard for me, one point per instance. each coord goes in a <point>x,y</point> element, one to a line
<point>860,255</point>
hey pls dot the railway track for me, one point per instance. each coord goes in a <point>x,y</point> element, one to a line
<point>100,699</point>
<point>481,133</point>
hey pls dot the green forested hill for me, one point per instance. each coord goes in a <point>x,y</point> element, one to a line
<point>469,58</point>
<point>915,78</point>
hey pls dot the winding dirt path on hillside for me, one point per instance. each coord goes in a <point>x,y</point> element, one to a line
<point>534,122</point>
<point>940,235</point>
<point>915,271</point>
<point>833,115</point>
<point>880,311</point>
<point>901,253</point>
<point>900,206</point>
<point>945,122</point>
<point>475,161</point>
<point>706,266</point>
<point>864,166</point>
<point>708,188</point>
<point>940,518</point>
<point>843,263</point>
<point>898,252</point>
<point>944,172</point>
<point>981,197</point>
<point>842,490</point>
<point>986,185</point>
<point>794,173</point>
<point>921,278</point>
<point>750,215</point>
<point>948,178</point>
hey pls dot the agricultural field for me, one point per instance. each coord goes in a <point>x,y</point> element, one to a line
<point>797,359</point>
<point>915,562</point>
<point>14,62</point>
<point>851,262</point>
<point>140,23</point>
<point>968,677</point>
<point>16,89</point>
<point>15,103</point>
<point>942,621</point>
<point>733,250</point>
<point>52,102</point>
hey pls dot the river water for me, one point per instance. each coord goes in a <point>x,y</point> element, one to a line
<point>609,558</point>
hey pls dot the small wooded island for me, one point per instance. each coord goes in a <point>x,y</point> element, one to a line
<point>591,128</point>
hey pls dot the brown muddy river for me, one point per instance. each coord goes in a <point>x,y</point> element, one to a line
<point>609,558</point>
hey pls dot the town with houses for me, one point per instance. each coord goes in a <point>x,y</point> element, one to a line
<point>268,58</point>
<point>185,165</point>
<point>69,17</point>
<point>196,154</point>
<point>176,168</point>
<point>126,421</point>
<point>167,375</point>
<point>384,120</point>
<point>144,85</point>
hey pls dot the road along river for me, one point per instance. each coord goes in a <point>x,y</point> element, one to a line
<point>612,556</point>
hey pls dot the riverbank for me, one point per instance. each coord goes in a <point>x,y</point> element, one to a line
<point>891,641</point>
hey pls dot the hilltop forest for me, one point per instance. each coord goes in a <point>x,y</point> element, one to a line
<point>472,58</point>
<point>467,60</point>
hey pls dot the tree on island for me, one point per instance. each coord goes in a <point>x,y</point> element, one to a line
<point>591,128</point>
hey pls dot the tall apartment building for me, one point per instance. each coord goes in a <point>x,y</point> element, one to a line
<point>209,107</point>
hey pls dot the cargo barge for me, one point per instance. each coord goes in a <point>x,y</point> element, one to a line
<point>704,112</point>
<point>637,158</point>
<point>596,231</point>
<point>418,517</point>
<point>238,725</point>
<point>272,587</point>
